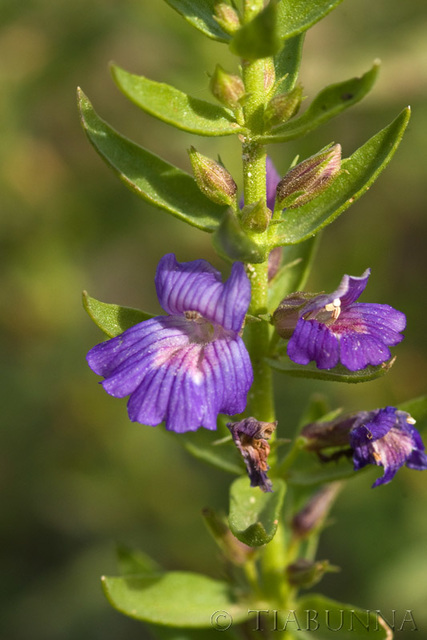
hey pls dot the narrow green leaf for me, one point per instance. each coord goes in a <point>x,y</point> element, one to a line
<point>177,599</point>
<point>254,515</point>
<point>112,318</point>
<point>330,619</point>
<point>134,562</point>
<point>200,14</point>
<point>359,171</point>
<point>260,37</point>
<point>156,181</point>
<point>337,374</point>
<point>309,471</point>
<point>296,16</point>
<point>202,444</point>
<point>327,104</point>
<point>292,276</point>
<point>174,107</point>
<point>287,63</point>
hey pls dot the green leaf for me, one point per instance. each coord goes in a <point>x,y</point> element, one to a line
<point>202,444</point>
<point>359,171</point>
<point>287,63</point>
<point>331,619</point>
<point>177,599</point>
<point>254,515</point>
<point>174,107</point>
<point>112,318</point>
<point>308,471</point>
<point>292,276</point>
<point>154,180</point>
<point>199,13</point>
<point>296,16</point>
<point>260,37</point>
<point>337,374</point>
<point>329,103</point>
<point>134,562</point>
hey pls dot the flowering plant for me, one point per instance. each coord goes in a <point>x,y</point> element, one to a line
<point>208,362</point>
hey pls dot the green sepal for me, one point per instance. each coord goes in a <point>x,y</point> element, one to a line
<point>293,274</point>
<point>134,562</point>
<point>260,37</point>
<point>154,180</point>
<point>231,241</point>
<point>113,319</point>
<point>327,104</point>
<point>326,613</point>
<point>287,63</point>
<point>177,599</point>
<point>337,374</point>
<point>199,13</point>
<point>254,515</point>
<point>175,107</point>
<point>296,16</point>
<point>358,173</point>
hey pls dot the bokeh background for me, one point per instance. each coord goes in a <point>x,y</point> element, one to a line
<point>76,475</point>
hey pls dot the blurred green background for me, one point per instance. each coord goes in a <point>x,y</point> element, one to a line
<point>77,476</point>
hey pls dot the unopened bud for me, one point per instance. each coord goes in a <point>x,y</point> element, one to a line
<point>283,107</point>
<point>315,511</point>
<point>227,17</point>
<point>226,87</point>
<point>309,178</point>
<point>304,573</point>
<point>212,178</point>
<point>256,217</point>
<point>289,311</point>
<point>326,435</point>
<point>235,551</point>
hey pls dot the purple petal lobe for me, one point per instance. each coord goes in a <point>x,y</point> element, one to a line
<point>197,286</point>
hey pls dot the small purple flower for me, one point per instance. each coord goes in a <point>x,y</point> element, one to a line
<point>335,328</point>
<point>273,180</point>
<point>250,436</point>
<point>387,437</point>
<point>186,367</point>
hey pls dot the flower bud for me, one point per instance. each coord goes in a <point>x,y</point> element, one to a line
<point>313,514</point>
<point>235,551</point>
<point>304,573</point>
<point>324,435</point>
<point>212,178</point>
<point>227,88</point>
<point>288,312</point>
<point>227,18</point>
<point>283,107</point>
<point>256,217</point>
<point>309,178</point>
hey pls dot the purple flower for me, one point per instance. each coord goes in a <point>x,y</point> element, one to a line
<point>387,437</point>
<point>273,180</point>
<point>335,328</point>
<point>186,367</point>
<point>250,436</point>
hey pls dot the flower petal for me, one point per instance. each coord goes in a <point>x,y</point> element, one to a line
<point>273,180</point>
<point>197,286</point>
<point>358,350</point>
<point>312,340</point>
<point>380,320</point>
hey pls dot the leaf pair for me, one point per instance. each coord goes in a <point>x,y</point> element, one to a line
<point>176,192</point>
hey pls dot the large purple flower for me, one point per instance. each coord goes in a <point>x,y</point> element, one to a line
<point>334,328</point>
<point>387,437</point>
<point>186,367</point>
